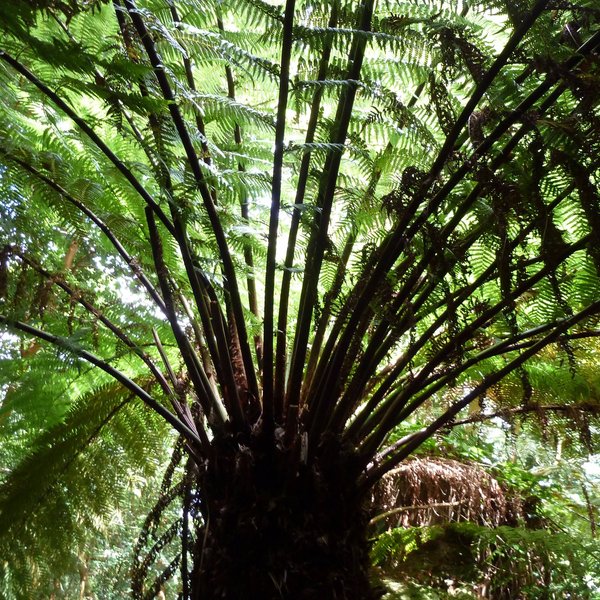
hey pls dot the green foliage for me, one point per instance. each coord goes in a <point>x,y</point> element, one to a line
<point>73,466</point>
<point>551,549</point>
<point>502,562</point>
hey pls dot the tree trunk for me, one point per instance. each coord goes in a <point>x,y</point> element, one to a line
<point>279,529</point>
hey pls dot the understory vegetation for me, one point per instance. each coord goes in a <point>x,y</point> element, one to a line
<point>519,522</point>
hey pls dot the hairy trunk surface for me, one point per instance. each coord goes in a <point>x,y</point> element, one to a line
<point>277,528</point>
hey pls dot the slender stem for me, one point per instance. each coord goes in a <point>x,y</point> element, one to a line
<point>189,75</point>
<point>378,471</point>
<point>284,296</point>
<point>164,357</point>
<point>80,122</point>
<point>327,186</point>
<point>269,308</point>
<point>209,364</point>
<point>230,283</point>
<point>248,254</point>
<point>65,344</point>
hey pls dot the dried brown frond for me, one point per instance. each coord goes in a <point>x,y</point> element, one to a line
<point>428,491</point>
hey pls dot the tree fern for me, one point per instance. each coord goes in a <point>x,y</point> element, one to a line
<point>288,229</point>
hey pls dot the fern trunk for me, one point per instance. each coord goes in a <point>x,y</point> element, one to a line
<point>273,532</point>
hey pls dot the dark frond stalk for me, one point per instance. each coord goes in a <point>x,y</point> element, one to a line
<point>58,101</point>
<point>198,440</point>
<point>137,134</point>
<point>321,328</point>
<point>189,75</point>
<point>398,240</point>
<point>206,301</point>
<point>204,296</point>
<point>158,163</point>
<point>225,343</point>
<point>381,344</point>
<point>352,353</point>
<point>164,357</point>
<point>210,314</point>
<point>209,363</point>
<point>397,407</point>
<point>286,279</point>
<point>91,309</point>
<point>390,330</point>
<point>269,305</point>
<point>382,341</point>
<point>251,282</point>
<point>228,267</point>
<point>248,254</point>
<point>413,442</point>
<point>131,262</point>
<point>325,194</point>
<point>209,402</point>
